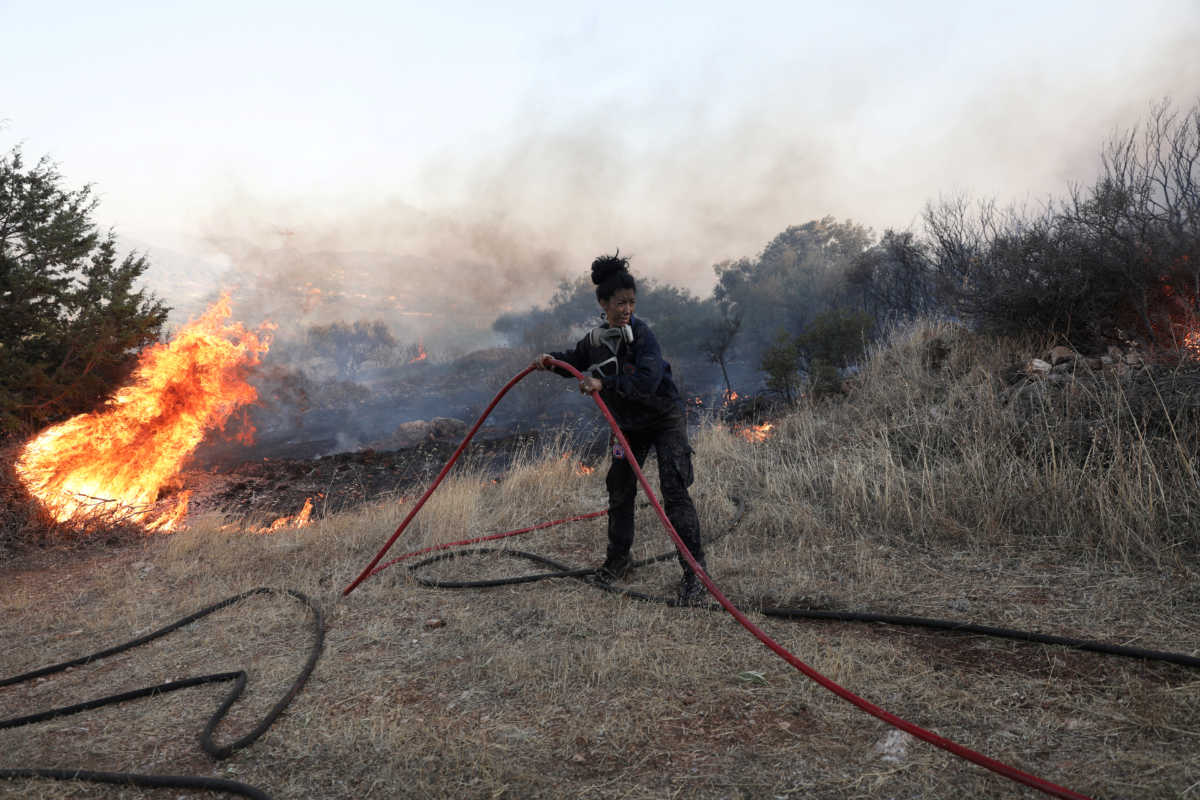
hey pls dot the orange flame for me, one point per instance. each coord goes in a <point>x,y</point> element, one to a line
<point>172,519</point>
<point>757,433</point>
<point>298,520</point>
<point>1191,344</point>
<point>421,354</point>
<point>580,467</point>
<point>113,463</point>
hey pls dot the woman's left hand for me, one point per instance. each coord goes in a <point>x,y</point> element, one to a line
<point>590,384</point>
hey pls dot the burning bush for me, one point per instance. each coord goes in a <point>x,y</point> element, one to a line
<point>113,464</point>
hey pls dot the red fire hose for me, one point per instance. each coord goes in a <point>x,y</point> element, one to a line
<point>1012,773</point>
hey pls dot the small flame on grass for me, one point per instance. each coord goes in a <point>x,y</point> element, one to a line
<point>580,467</point>
<point>757,433</point>
<point>298,520</point>
<point>1191,345</point>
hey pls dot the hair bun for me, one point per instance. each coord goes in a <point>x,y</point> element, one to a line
<point>606,267</point>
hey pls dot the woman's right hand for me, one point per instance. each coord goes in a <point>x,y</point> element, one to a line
<point>540,361</point>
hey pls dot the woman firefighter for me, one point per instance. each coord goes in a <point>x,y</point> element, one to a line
<point>622,360</point>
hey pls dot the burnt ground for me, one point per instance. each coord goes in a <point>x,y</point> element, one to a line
<point>265,489</point>
<point>256,492</point>
<point>274,477</point>
<point>340,444</point>
<point>263,483</point>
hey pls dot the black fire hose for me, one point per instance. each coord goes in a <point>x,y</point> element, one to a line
<point>238,678</point>
<point>588,575</point>
<point>555,570</point>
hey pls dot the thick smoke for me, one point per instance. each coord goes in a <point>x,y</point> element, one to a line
<point>678,182</point>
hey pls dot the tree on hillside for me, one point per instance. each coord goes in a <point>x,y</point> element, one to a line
<point>71,319</point>
<point>800,272</point>
<point>834,341</point>
<point>572,307</point>
<point>349,346</point>
<point>678,317</point>
<point>717,343</point>
<point>894,280</point>
<point>781,363</point>
<point>836,337</point>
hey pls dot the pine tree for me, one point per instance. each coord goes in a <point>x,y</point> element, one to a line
<point>71,318</point>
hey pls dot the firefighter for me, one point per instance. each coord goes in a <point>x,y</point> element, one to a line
<point>621,359</point>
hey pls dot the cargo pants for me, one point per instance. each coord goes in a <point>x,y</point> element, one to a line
<point>674,454</point>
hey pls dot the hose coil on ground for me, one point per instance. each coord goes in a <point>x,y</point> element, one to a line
<point>236,677</point>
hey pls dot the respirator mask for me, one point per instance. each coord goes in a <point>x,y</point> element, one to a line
<point>611,338</point>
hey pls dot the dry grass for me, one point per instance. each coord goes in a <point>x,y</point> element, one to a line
<point>928,492</point>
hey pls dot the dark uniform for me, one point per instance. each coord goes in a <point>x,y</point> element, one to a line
<point>645,402</point>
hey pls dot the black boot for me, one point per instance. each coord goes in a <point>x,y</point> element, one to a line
<point>691,590</point>
<point>615,568</point>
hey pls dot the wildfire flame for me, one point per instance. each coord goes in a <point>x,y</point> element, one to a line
<point>421,354</point>
<point>1191,344</point>
<point>580,468</point>
<point>756,433</point>
<point>114,463</point>
<point>297,520</point>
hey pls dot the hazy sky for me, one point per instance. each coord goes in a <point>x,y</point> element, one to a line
<point>519,141</point>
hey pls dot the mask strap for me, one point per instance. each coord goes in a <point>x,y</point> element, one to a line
<point>597,370</point>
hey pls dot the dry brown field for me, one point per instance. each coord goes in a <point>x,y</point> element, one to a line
<point>942,488</point>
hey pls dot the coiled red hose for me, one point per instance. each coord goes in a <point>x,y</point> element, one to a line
<point>999,767</point>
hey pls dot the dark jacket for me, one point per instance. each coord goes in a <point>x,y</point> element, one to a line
<point>639,391</point>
